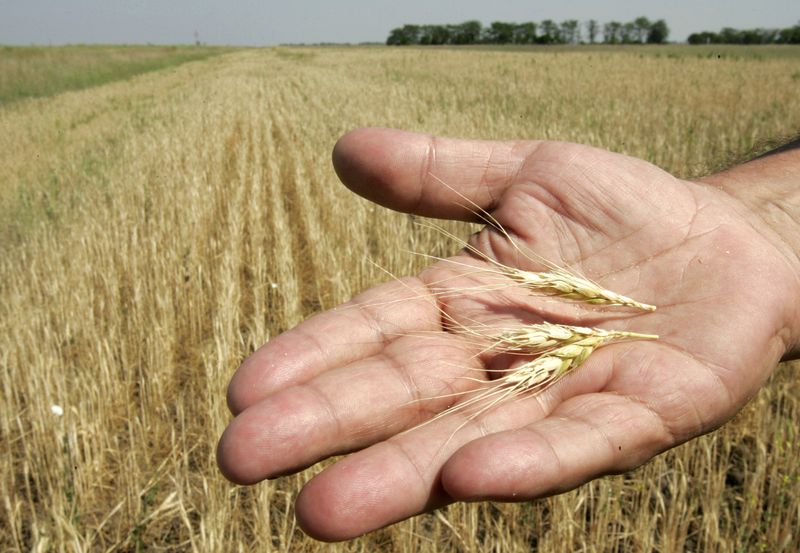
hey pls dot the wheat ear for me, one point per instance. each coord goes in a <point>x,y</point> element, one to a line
<point>570,286</point>
<point>563,349</point>
<point>557,281</point>
<point>555,363</point>
<point>544,337</point>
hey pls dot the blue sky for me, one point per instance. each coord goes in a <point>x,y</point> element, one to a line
<point>265,22</point>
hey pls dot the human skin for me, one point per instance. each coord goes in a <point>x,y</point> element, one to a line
<point>719,257</point>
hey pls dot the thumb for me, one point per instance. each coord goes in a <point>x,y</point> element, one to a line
<point>405,171</point>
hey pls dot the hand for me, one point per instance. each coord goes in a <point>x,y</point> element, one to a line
<point>348,379</point>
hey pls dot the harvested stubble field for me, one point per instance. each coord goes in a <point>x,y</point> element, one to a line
<point>158,229</point>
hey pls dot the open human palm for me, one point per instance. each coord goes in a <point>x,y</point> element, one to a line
<point>353,379</point>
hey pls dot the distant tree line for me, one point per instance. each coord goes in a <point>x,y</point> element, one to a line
<point>790,35</point>
<point>639,31</point>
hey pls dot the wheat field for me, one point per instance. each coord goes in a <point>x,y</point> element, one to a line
<point>158,229</point>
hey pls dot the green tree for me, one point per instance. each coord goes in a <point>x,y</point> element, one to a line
<point>395,37</point>
<point>591,30</point>
<point>641,28</point>
<point>500,32</point>
<point>407,34</point>
<point>549,32</point>
<point>729,35</point>
<point>658,32</point>
<point>705,37</point>
<point>627,33</point>
<point>525,33</point>
<point>434,35</point>
<point>440,34</point>
<point>468,32</point>
<point>612,32</point>
<point>765,36</point>
<point>570,31</point>
<point>790,35</point>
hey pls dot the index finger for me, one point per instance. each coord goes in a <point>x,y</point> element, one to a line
<point>352,331</point>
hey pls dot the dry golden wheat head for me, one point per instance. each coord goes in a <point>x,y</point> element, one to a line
<point>544,337</point>
<point>576,345</point>
<point>567,285</point>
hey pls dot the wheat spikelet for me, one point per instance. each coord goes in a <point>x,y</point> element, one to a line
<point>561,349</point>
<point>566,285</point>
<point>556,281</point>
<point>576,346</point>
<point>544,337</point>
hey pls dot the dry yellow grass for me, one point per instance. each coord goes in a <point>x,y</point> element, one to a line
<point>155,231</point>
